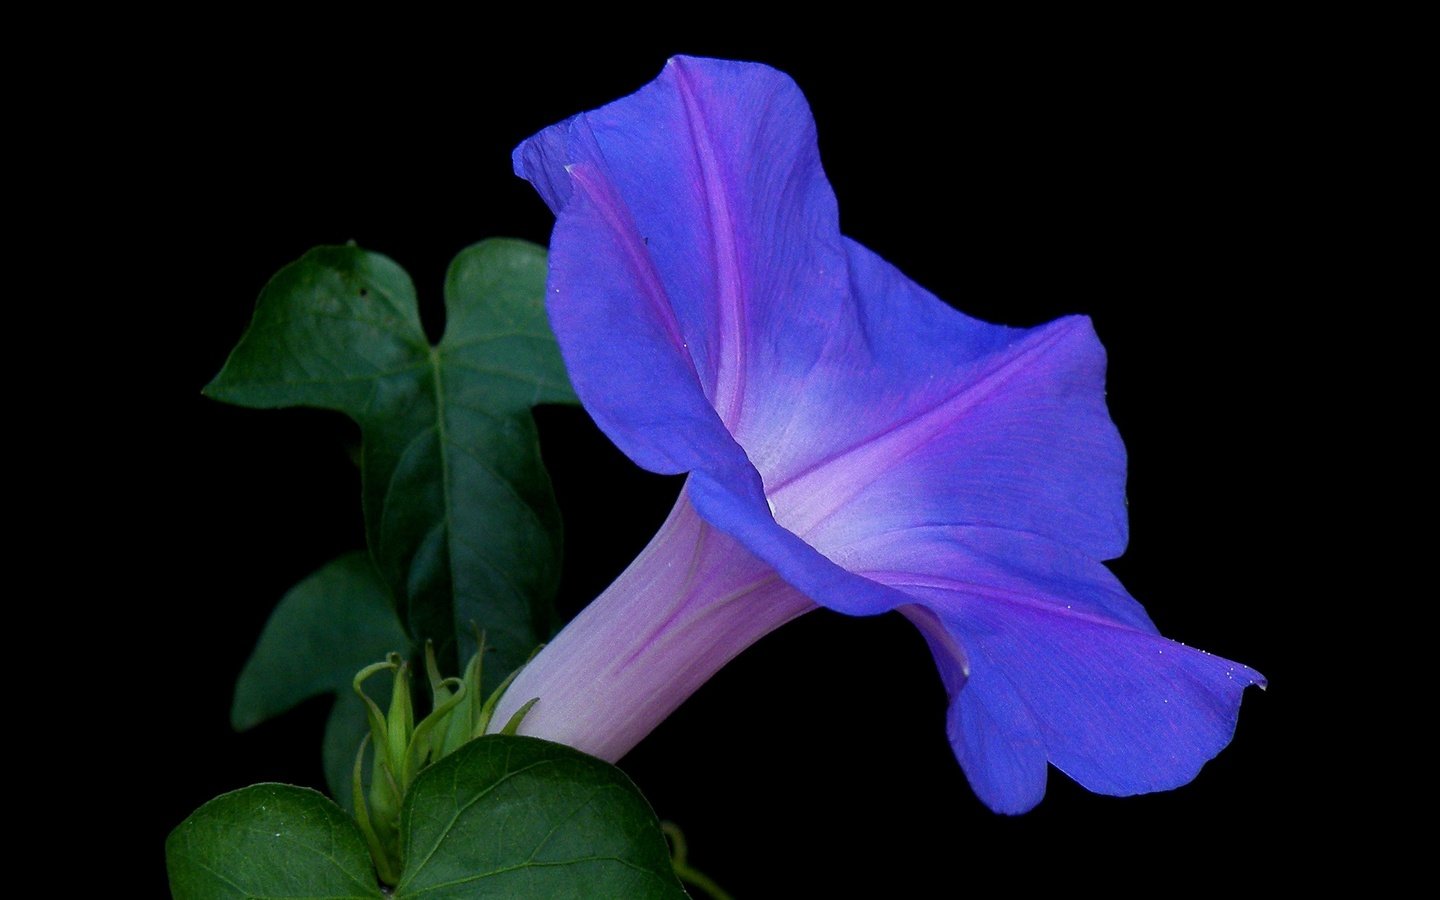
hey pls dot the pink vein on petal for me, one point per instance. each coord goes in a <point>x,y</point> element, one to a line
<point>612,212</point>
<point>903,580</point>
<point>681,598</point>
<point>803,507</point>
<point>730,373</point>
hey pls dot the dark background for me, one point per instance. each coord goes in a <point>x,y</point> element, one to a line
<point>1164,187</point>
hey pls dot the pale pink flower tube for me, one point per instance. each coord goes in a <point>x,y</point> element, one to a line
<point>688,604</point>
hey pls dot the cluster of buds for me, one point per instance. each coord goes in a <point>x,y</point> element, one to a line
<point>402,748</point>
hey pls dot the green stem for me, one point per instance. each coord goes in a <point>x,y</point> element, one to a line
<point>683,870</point>
<point>702,881</point>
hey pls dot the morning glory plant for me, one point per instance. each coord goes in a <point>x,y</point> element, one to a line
<point>849,441</point>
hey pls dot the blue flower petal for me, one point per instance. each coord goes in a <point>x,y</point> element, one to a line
<point>948,420</point>
<point>714,321</point>
<point>697,263</point>
<point>1061,665</point>
<point>916,416</point>
<point>695,223</point>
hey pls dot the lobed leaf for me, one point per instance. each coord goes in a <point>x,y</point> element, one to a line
<point>460,516</point>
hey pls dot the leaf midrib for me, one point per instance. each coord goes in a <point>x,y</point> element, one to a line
<point>437,377</point>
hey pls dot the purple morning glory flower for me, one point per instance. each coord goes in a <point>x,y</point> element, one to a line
<point>853,443</point>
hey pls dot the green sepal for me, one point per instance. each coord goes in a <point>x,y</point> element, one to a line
<point>383,863</point>
<point>513,725</point>
<point>487,712</point>
<point>443,740</point>
<point>401,721</point>
<point>379,730</point>
<point>461,727</point>
<point>422,741</point>
<point>387,792</point>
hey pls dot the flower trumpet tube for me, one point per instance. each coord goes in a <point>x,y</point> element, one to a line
<point>691,601</point>
<point>852,442</point>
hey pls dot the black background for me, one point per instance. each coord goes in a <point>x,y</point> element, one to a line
<point>1162,186</point>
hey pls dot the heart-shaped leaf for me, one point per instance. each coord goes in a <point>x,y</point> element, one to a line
<point>500,817</point>
<point>269,840</point>
<point>520,817</point>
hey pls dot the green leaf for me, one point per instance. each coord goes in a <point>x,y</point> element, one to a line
<point>520,817</point>
<point>269,840</point>
<point>460,516</point>
<point>327,628</point>
<point>500,817</point>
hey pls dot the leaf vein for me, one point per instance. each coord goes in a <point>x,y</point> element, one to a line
<point>460,810</point>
